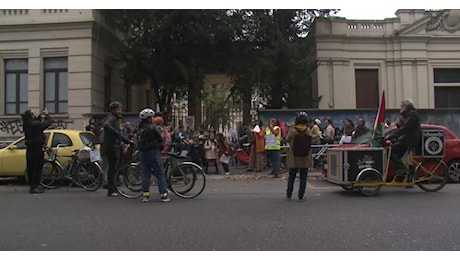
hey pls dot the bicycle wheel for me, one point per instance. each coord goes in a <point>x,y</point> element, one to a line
<point>128,181</point>
<point>52,175</point>
<point>88,175</point>
<point>431,175</point>
<point>187,180</point>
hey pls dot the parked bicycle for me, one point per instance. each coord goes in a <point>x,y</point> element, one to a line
<point>185,179</point>
<point>81,171</point>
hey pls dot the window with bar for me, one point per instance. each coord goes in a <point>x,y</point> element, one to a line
<point>16,86</point>
<point>56,85</point>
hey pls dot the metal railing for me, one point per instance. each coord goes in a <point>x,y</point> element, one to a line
<point>322,151</point>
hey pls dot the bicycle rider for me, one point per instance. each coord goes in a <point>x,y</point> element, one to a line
<point>407,135</point>
<point>150,144</point>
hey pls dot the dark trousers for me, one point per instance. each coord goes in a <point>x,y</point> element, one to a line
<point>275,160</point>
<point>303,181</point>
<point>397,152</point>
<point>225,166</point>
<point>35,161</point>
<point>211,161</point>
<point>113,155</point>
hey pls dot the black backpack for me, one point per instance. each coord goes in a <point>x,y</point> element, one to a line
<point>301,144</point>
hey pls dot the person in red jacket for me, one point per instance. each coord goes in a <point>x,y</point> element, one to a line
<point>223,149</point>
<point>258,133</point>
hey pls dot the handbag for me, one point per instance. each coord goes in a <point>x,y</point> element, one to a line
<point>224,159</point>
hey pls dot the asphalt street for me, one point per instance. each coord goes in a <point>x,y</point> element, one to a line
<point>235,213</point>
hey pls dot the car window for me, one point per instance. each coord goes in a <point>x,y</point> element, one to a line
<point>366,138</point>
<point>47,137</point>
<point>88,138</point>
<point>21,144</point>
<point>62,139</point>
<point>362,139</point>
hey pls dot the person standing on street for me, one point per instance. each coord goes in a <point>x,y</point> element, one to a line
<point>299,157</point>
<point>151,143</point>
<point>113,138</point>
<point>361,129</point>
<point>258,133</point>
<point>33,127</point>
<point>273,146</point>
<point>223,149</point>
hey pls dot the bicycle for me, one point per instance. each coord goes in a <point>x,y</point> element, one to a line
<point>81,171</point>
<point>430,174</point>
<point>185,179</point>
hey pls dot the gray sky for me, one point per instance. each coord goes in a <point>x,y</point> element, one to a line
<point>372,14</point>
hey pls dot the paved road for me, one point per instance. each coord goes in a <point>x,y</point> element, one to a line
<point>234,213</point>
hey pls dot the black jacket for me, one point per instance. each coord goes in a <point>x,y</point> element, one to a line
<point>149,138</point>
<point>360,130</point>
<point>112,134</point>
<point>409,132</point>
<point>33,131</point>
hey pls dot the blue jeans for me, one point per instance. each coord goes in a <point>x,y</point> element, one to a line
<point>274,156</point>
<point>151,162</point>
<point>303,181</point>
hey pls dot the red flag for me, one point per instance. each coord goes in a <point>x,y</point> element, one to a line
<point>379,123</point>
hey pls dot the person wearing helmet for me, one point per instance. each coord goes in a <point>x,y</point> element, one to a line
<point>150,144</point>
<point>408,136</point>
<point>113,138</point>
<point>299,157</point>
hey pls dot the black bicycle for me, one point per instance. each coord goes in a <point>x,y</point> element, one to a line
<point>185,179</point>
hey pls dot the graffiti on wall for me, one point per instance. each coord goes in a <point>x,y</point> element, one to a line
<point>14,127</point>
<point>11,127</point>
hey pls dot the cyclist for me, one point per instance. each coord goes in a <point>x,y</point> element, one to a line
<point>407,135</point>
<point>150,144</point>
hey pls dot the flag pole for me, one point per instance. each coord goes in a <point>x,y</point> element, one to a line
<point>379,123</point>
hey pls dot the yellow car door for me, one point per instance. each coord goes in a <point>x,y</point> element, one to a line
<point>13,159</point>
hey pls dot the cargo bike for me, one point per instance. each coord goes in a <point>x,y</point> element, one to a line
<point>368,169</point>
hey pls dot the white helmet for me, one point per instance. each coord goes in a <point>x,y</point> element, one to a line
<point>146,113</point>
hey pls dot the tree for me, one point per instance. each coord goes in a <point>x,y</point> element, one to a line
<point>270,56</point>
<point>262,50</point>
<point>172,49</point>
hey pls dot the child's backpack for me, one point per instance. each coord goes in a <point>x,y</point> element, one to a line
<point>301,144</point>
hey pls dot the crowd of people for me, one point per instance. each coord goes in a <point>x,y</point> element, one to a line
<point>207,147</point>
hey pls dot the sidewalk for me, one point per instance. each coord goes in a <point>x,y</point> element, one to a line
<point>240,172</point>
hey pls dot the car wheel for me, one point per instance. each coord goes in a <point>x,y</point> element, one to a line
<point>454,171</point>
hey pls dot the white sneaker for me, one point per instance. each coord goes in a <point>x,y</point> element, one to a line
<point>227,173</point>
<point>145,199</point>
<point>165,197</point>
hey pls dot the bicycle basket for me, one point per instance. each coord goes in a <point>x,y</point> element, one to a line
<point>84,154</point>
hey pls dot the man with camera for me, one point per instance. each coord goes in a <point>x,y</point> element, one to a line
<point>33,127</point>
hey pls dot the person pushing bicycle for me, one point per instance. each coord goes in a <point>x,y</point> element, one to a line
<point>150,144</point>
<point>407,135</point>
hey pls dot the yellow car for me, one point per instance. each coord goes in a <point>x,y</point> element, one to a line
<point>13,156</point>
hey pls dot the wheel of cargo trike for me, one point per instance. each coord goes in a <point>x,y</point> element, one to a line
<point>431,174</point>
<point>347,187</point>
<point>372,177</point>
